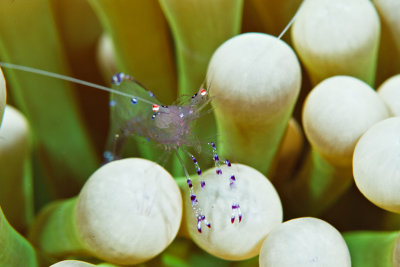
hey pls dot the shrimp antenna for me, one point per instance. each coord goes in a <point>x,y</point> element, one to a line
<point>290,22</point>
<point>69,79</point>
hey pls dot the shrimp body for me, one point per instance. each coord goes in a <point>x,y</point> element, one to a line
<point>174,125</point>
<point>177,121</point>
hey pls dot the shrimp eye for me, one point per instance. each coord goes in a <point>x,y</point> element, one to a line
<point>156,107</point>
<point>134,101</point>
<point>203,92</point>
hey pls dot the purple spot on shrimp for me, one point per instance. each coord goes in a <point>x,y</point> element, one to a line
<point>240,217</point>
<point>194,159</point>
<point>203,184</point>
<point>116,79</point>
<point>150,93</point>
<point>198,172</point>
<point>193,200</point>
<point>216,158</point>
<point>227,162</point>
<point>232,218</point>
<point>219,171</point>
<point>189,182</point>
<point>233,178</point>
<point>212,144</point>
<point>134,101</point>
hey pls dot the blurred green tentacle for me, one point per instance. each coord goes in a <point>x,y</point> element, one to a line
<point>66,154</point>
<point>16,251</point>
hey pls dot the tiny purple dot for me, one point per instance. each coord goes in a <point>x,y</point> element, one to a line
<point>203,184</point>
<point>198,171</point>
<point>219,171</point>
<point>120,76</point>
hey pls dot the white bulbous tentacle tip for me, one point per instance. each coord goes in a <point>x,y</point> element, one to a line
<point>255,80</point>
<point>336,113</point>
<point>266,73</point>
<point>304,242</point>
<point>376,164</point>
<point>129,211</point>
<point>390,94</point>
<point>15,129</point>
<point>337,37</point>
<point>72,263</point>
<point>242,214</point>
<point>3,94</point>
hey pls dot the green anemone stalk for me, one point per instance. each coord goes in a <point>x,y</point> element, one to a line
<point>373,249</point>
<point>15,250</point>
<point>28,36</point>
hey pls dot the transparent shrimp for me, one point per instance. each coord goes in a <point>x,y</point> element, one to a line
<point>136,111</point>
<point>168,126</point>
